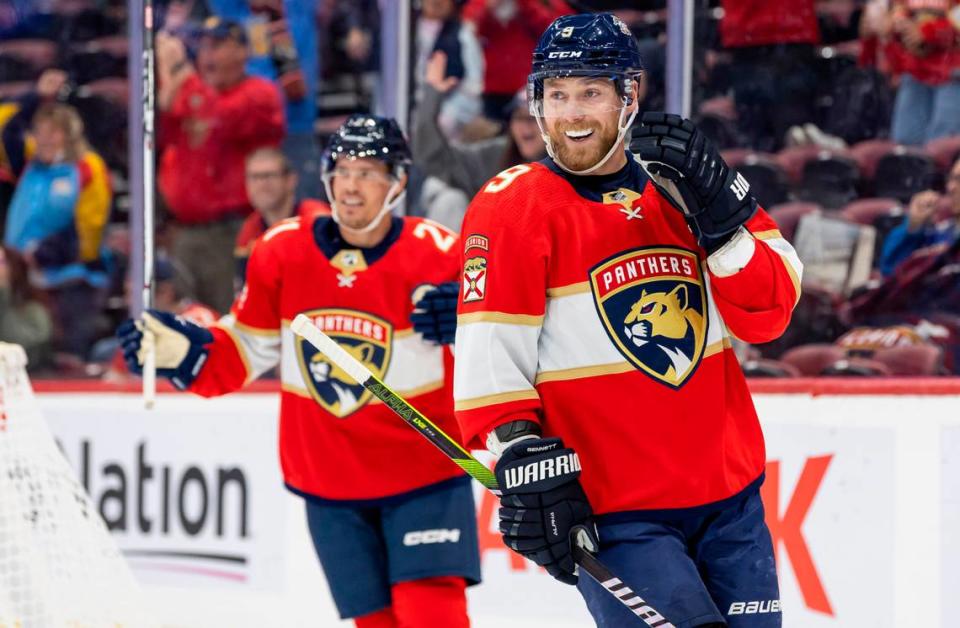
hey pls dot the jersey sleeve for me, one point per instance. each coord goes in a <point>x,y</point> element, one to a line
<point>502,305</point>
<point>755,280</point>
<point>247,341</point>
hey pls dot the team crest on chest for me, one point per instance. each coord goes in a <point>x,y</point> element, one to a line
<point>366,337</point>
<point>627,200</point>
<point>348,262</point>
<point>653,305</point>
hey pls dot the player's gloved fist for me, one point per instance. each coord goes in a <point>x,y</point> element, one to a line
<point>435,314</point>
<point>543,508</point>
<point>180,345</point>
<point>715,199</point>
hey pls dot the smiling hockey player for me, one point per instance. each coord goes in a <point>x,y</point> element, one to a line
<point>392,520</point>
<point>600,292</point>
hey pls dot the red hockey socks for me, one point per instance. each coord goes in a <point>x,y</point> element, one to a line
<point>380,619</point>
<point>431,602</point>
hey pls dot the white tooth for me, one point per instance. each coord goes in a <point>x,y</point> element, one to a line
<point>579,134</point>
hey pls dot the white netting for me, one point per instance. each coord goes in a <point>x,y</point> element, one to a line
<point>58,564</point>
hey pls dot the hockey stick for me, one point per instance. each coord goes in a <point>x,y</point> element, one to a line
<point>304,327</point>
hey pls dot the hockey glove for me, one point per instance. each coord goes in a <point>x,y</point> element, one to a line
<point>180,345</point>
<point>435,315</point>
<point>688,169</point>
<point>543,508</point>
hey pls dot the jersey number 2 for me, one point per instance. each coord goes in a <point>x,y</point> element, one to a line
<point>443,240</point>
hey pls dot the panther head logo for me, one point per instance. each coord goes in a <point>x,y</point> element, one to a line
<point>665,321</point>
<point>325,371</point>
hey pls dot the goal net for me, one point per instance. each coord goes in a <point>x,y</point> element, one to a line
<point>58,565</point>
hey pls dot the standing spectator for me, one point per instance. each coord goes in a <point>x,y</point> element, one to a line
<point>924,47</point>
<point>57,216</point>
<point>774,82</point>
<point>24,320</point>
<point>508,31</point>
<point>284,48</point>
<point>920,228</point>
<point>210,121</point>
<point>469,166</point>
<point>272,189</point>
<point>439,28</point>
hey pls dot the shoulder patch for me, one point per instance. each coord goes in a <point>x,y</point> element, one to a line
<point>474,279</point>
<point>476,241</point>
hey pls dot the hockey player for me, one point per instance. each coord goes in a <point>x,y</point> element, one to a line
<point>600,293</point>
<point>392,520</point>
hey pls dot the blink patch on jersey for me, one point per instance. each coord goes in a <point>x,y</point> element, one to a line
<point>652,303</point>
<point>366,337</point>
<point>474,279</point>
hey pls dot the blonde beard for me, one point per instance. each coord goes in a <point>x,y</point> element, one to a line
<point>581,158</point>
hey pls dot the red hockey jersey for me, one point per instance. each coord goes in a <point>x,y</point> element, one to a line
<point>336,441</point>
<point>602,322</point>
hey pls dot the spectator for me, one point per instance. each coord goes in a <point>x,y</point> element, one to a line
<point>209,123</point>
<point>284,48</point>
<point>920,228</point>
<point>24,320</point>
<point>924,47</point>
<point>773,80</point>
<point>508,31</point>
<point>439,28</point>
<point>272,190</point>
<point>469,166</point>
<point>57,216</point>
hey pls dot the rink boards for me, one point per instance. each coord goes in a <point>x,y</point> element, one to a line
<point>862,497</point>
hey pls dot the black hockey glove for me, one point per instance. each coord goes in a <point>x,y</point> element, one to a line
<point>715,199</point>
<point>435,315</point>
<point>543,508</point>
<point>180,346</point>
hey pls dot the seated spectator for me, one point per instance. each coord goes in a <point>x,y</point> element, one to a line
<point>56,221</point>
<point>24,319</point>
<point>920,228</point>
<point>508,31</point>
<point>210,120</point>
<point>439,28</point>
<point>469,166</point>
<point>923,45</point>
<point>272,190</point>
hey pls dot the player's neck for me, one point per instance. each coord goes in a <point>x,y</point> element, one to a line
<point>367,239</point>
<point>616,162</point>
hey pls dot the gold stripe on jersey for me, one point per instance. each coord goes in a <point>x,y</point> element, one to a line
<point>564,291</point>
<point>241,351</point>
<point>584,371</point>
<point>500,317</point>
<point>767,235</point>
<point>492,400</point>
<point>403,333</point>
<point>296,390</point>
<point>717,347</point>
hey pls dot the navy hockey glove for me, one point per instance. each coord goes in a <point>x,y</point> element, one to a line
<point>435,315</point>
<point>543,508</point>
<point>180,346</point>
<point>715,199</point>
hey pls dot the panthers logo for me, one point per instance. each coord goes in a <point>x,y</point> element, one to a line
<point>364,336</point>
<point>652,303</point>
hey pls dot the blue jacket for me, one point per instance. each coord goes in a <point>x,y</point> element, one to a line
<point>901,243</point>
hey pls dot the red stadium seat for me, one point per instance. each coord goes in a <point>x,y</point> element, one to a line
<point>945,151</point>
<point>912,360</point>
<point>866,211</point>
<point>38,54</point>
<point>868,152</point>
<point>830,179</point>
<point>787,216</point>
<point>811,360</point>
<point>857,367</point>
<point>760,367</point>
<point>794,158</point>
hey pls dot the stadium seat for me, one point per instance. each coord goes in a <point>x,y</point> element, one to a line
<point>115,90</point>
<point>767,180</point>
<point>945,151</point>
<point>866,211</point>
<point>830,179</point>
<point>903,173</point>
<point>760,367</point>
<point>856,367</point>
<point>87,64</point>
<point>787,215</point>
<point>794,158</point>
<point>34,54</point>
<point>912,360</point>
<point>868,152</point>
<point>722,131</point>
<point>812,359</point>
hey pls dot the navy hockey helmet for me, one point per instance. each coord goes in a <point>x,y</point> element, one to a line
<point>368,136</point>
<point>588,44</point>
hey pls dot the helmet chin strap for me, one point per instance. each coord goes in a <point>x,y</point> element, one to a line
<point>621,132</point>
<point>394,196</point>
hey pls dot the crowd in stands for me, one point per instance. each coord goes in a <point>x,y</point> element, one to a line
<point>843,114</point>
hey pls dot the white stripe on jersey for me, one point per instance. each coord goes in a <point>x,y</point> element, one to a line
<point>259,348</point>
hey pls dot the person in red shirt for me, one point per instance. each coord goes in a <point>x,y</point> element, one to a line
<point>271,187</point>
<point>773,78</point>
<point>392,519</point>
<point>508,31</point>
<point>211,118</point>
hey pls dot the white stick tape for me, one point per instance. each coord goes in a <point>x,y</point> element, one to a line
<point>304,327</point>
